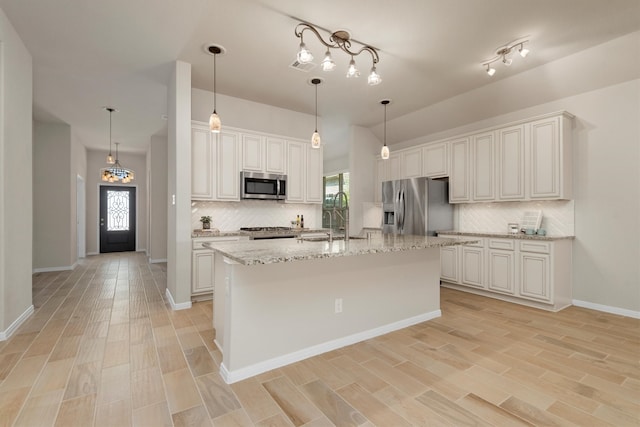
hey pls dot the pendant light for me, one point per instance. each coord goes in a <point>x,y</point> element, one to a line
<point>384,153</point>
<point>315,138</point>
<point>215,125</point>
<point>110,159</point>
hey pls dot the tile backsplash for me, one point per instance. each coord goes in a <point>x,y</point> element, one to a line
<point>557,216</point>
<point>230,216</point>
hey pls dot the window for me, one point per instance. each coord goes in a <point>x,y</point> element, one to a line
<point>332,185</point>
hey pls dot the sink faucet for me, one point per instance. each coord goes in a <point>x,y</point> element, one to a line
<point>330,233</point>
<point>345,218</point>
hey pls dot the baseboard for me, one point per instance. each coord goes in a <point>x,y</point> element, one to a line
<point>92,253</point>
<point>174,306</point>
<point>6,334</point>
<point>50,269</point>
<point>231,377</point>
<point>157,261</point>
<point>607,309</point>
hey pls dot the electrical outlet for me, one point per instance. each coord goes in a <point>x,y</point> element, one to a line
<point>338,305</point>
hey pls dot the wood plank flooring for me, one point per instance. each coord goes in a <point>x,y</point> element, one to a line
<point>103,348</point>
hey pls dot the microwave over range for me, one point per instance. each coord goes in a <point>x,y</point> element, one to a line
<point>262,186</point>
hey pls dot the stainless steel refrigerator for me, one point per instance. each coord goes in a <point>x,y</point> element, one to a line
<point>416,206</point>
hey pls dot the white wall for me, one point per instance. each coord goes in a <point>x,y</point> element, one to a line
<point>158,207</point>
<point>95,162</point>
<point>53,236</point>
<point>16,208</point>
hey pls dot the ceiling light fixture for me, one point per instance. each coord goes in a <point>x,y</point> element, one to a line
<point>384,152</point>
<point>315,138</point>
<point>115,172</point>
<point>340,39</point>
<point>215,125</point>
<point>503,52</point>
<point>110,159</point>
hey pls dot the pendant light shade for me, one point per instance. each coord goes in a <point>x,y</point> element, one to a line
<point>384,152</point>
<point>215,124</point>
<point>315,138</point>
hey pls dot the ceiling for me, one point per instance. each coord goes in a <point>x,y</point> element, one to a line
<point>89,54</point>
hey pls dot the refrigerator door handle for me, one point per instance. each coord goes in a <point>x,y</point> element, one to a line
<point>401,209</point>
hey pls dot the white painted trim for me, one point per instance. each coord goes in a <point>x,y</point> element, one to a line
<point>5,335</point>
<point>174,306</point>
<point>156,261</point>
<point>50,269</point>
<point>231,377</point>
<point>607,309</point>
<point>92,253</point>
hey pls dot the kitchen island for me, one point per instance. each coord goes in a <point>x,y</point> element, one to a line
<point>277,302</point>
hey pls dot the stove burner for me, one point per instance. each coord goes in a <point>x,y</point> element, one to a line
<point>265,229</point>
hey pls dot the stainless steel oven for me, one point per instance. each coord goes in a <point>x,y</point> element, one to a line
<point>262,186</point>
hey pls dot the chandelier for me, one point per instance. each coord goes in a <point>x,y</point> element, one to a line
<point>340,39</point>
<point>503,52</point>
<point>116,172</point>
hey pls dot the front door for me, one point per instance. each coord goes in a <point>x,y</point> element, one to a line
<point>117,219</point>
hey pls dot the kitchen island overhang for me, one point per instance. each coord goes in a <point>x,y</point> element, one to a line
<point>278,302</point>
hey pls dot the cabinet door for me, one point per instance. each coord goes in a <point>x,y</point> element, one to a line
<point>459,171</point>
<point>314,175</point>
<point>228,166</point>
<point>535,277</point>
<point>201,164</point>
<point>483,167</point>
<point>202,271</point>
<point>545,159</point>
<point>395,169</point>
<point>435,161</point>
<point>501,277</point>
<point>276,156</point>
<point>296,160</point>
<point>449,264</point>
<point>511,163</point>
<point>412,163</point>
<point>252,153</point>
<point>472,266</point>
<point>382,167</point>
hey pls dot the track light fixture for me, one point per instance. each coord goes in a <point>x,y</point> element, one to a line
<point>215,125</point>
<point>315,138</point>
<point>384,152</point>
<point>340,39</point>
<point>502,54</point>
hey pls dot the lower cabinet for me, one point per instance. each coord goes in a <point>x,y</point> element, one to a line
<point>530,272</point>
<point>203,264</point>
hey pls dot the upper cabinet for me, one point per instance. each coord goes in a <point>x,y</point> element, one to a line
<point>218,159</point>
<point>411,163</point>
<point>435,160</point>
<point>510,163</point>
<point>550,158</point>
<point>483,167</point>
<point>459,171</point>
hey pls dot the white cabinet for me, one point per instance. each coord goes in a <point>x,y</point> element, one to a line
<point>459,171</point>
<point>252,152</point>
<point>202,181</point>
<point>473,265</point>
<point>314,170</point>
<point>411,163</point>
<point>380,172</point>
<point>395,167</point>
<point>304,175</point>
<point>550,158</point>
<point>510,163</point>
<point>276,156</point>
<point>228,166</point>
<point>203,263</point>
<point>501,266</point>
<point>483,167</point>
<point>529,271</point>
<point>435,160</point>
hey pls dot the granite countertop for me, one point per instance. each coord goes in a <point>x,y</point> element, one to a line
<point>256,252</point>
<point>520,236</point>
<point>285,232</point>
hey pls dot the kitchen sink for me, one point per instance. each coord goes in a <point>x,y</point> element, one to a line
<point>325,238</point>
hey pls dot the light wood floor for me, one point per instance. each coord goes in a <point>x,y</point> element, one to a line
<point>103,348</point>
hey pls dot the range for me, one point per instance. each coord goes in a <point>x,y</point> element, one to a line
<point>260,233</point>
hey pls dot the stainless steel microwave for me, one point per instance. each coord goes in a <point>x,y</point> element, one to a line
<point>263,186</point>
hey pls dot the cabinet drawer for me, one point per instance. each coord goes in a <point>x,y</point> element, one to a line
<point>198,243</point>
<point>505,244</point>
<point>479,244</point>
<point>537,247</point>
